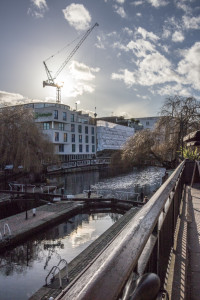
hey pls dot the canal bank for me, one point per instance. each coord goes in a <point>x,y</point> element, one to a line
<point>80,263</point>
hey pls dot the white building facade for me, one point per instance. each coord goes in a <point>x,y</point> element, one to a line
<point>148,122</point>
<point>111,136</point>
<point>72,133</point>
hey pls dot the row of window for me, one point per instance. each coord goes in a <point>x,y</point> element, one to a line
<point>73,138</point>
<point>61,126</point>
<point>72,117</point>
<point>87,148</point>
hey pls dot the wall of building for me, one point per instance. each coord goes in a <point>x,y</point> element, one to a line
<point>72,133</point>
<point>148,122</point>
<point>112,136</point>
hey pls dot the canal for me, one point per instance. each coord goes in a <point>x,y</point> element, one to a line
<point>23,269</point>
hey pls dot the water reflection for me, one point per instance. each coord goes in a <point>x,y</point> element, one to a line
<point>25,267</point>
<point>146,179</point>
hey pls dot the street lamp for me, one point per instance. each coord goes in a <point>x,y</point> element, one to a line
<point>77,102</point>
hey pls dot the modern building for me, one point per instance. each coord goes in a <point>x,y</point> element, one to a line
<point>148,122</point>
<point>111,136</point>
<point>72,132</point>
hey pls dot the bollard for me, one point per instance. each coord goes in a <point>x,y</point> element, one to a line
<point>34,212</point>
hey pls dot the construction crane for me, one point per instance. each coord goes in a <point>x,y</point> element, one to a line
<point>51,79</point>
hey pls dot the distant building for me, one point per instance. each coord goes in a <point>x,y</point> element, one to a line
<point>148,122</point>
<point>72,133</point>
<point>111,136</point>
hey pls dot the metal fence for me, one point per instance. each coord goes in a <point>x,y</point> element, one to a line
<point>144,245</point>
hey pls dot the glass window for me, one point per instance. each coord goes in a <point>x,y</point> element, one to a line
<point>61,148</point>
<point>73,138</point>
<point>92,130</point>
<point>80,138</point>
<point>147,123</point>
<point>87,139</point>
<point>87,148</point>
<point>55,114</point>
<point>80,148</point>
<point>93,141</point>
<point>93,148</point>
<point>56,136</point>
<point>72,127</point>
<point>72,117</point>
<point>64,116</point>
<point>46,126</point>
<point>86,129</point>
<point>73,147</point>
<point>61,126</point>
<point>80,128</point>
<point>65,137</point>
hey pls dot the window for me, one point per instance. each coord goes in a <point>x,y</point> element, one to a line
<point>73,147</point>
<point>61,126</point>
<point>56,136</point>
<point>93,148</point>
<point>86,129</point>
<point>93,141</point>
<point>92,130</point>
<point>80,128</point>
<point>73,138</point>
<point>72,117</point>
<point>72,127</point>
<point>87,148</point>
<point>86,139</point>
<point>61,148</point>
<point>80,148</point>
<point>147,123</point>
<point>55,114</point>
<point>65,137</point>
<point>64,116</point>
<point>80,138</point>
<point>46,126</point>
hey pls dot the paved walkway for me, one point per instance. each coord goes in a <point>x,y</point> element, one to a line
<point>183,281</point>
<point>21,227</point>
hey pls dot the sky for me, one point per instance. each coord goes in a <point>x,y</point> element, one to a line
<point>142,52</point>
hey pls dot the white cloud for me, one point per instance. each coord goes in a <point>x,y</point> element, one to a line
<point>189,66</point>
<point>146,34</point>
<point>177,36</point>
<point>138,14</point>
<point>77,16</point>
<point>120,1</point>
<point>141,47</point>
<point>12,98</point>
<point>186,8</point>
<point>120,11</point>
<point>158,3</point>
<point>80,71</point>
<point>126,76</point>
<point>172,89</point>
<point>100,43</point>
<point>128,30</point>
<point>137,3</point>
<point>191,22</point>
<point>166,33</point>
<point>38,8</point>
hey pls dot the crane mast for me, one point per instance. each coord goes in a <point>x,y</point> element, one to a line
<point>50,79</point>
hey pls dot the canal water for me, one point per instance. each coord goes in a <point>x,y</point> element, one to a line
<point>145,179</point>
<point>23,270</point>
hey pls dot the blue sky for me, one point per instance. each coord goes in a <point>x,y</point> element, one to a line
<point>142,52</point>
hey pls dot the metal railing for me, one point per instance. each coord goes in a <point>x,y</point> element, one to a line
<point>143,246</point>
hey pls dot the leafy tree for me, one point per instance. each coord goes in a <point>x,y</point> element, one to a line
<point>22,143</point>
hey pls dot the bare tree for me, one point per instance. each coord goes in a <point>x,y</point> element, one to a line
<point>178,117</point>
<point>22,143</point>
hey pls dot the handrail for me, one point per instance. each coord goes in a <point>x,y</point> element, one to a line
<point>4,229</point>
<point>121,258</point>
<point>66,265</point>
<point>53,272</point>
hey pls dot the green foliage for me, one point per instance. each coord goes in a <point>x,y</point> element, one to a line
<point>189,153</point>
